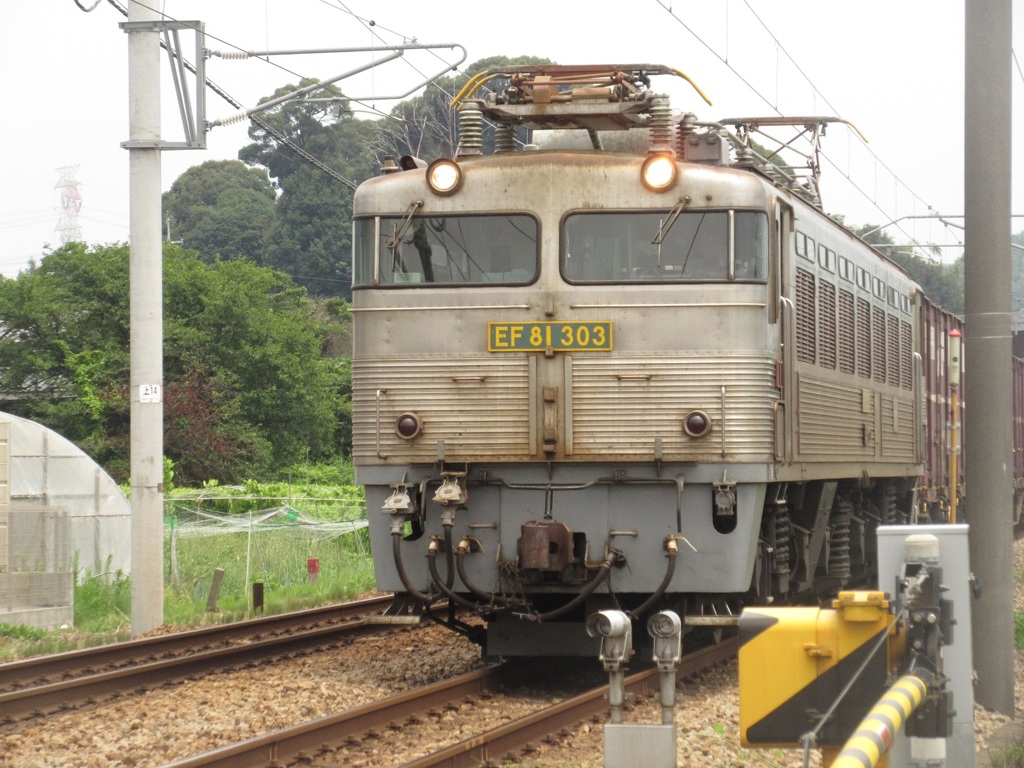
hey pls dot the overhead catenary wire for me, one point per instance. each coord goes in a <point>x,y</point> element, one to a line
<point>372,26</point>
<point>317,163</point>
<point>667,6</point>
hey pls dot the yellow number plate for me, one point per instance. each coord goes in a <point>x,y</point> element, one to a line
<point>556,336</point>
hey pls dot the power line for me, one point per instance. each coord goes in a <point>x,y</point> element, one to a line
<point>372,26</point>
<point>317,163</point>
<point>838,168</point>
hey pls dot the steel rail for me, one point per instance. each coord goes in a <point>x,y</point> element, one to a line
<point>22,672</point>
<point>309,741</point>
<point>303,741</point>
<point>38,700</point>
<point>491,747</point>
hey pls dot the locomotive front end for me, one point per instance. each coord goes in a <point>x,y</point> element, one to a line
<point>565,379</point>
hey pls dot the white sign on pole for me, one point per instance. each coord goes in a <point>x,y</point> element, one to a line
<point>150,393</point>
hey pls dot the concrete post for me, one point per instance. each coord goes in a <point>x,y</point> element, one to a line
<point>146,318</point>
<point>987,345</point>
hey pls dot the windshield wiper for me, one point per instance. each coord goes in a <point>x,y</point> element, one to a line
<point>665,225</point>
<point>403,226</point>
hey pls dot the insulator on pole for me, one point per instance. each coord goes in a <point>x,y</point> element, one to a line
<point>231,120</point>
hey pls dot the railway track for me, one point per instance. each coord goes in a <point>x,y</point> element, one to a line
<point>331,740</point>
<point>37,686</point>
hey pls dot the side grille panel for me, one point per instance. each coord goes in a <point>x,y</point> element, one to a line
<point>832,421</point>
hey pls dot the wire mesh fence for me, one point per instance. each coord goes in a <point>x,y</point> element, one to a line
<point>278,545</point>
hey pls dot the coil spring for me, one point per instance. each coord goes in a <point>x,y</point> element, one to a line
<point>780,562</point>
<point>893,515</point>
<point>839,542</point>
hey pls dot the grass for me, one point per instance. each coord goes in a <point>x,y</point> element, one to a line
<point>275,558</point>
<point>1011,757</point>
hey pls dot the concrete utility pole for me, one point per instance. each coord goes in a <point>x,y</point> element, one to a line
<point>987,345</point>
<point>146,318</point>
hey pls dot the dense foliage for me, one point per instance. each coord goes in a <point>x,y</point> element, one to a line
<point>247,387</point>
<point>221,210</point>
<point>310,239</point>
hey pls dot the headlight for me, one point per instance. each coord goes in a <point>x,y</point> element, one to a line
<point>444,177</point>
<point>659,172</point>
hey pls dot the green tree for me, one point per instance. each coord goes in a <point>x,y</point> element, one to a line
<point>64,342</point>
<point>246,386</point>
<point>221,209</point>
<point>311,238</point>
<point>252,332</point>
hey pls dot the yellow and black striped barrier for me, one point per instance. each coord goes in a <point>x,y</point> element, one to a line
<point>876,732</point>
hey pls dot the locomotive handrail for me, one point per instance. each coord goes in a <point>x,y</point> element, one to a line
<point>487,480</point>
<point>378,395</point>
<point>723,421</point>
<point>788,351</point>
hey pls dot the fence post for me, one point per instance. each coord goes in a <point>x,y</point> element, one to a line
<point>211,602</point>
<point>257,596</point>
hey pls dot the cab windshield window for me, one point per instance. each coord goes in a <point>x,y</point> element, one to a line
<point>665,246</point>
<point>447,250</point>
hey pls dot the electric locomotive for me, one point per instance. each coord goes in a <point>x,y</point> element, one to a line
<point>643,370</point>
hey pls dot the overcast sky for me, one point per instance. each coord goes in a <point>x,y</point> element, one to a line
<point>894,69</point>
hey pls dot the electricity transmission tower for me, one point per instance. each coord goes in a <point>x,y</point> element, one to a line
<point>70,205</point>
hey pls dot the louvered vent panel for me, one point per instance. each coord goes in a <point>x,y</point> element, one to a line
<point>897,429</point>
<point>847,335</point>
<point>831,420</point>
<point>893,351</point>
<point>906,355</point>
<point>878,343</point>
<point>826,325</point>
<point>863,338</point>
<point>805,331</point>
